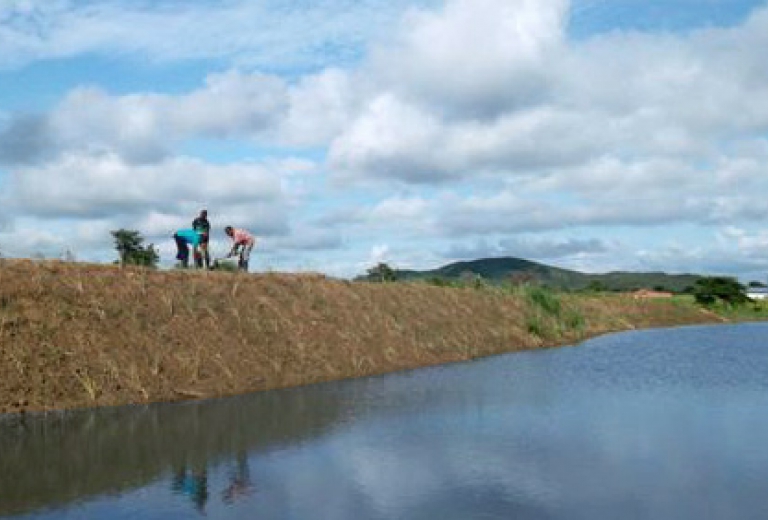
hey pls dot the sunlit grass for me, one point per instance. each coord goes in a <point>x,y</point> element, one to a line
<point>84,335</point>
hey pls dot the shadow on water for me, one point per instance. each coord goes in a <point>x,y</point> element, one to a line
<point>52,459</point>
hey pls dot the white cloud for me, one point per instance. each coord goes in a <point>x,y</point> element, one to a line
<point>88,186</point>
<point>753,245</point>
<point>89,120</point>
<point>475,57</point>
<point>379,254</point>
<point>475,120</point>
<point>390,139</point>
<point>319,108</point>
<point>231,105</point>
<point>146,127</point>
<point>636,97</point>
<point>268,34</point>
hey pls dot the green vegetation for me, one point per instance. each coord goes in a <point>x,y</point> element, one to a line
<point>131,249</point>
<point>714,289</point>
<point>544,299</point>
<point>382,273</point>
<point>548,316</point>
<point>756,310</point>
<point>516,271</point>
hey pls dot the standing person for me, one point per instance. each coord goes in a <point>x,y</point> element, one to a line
<point>185,238</point>
<point>242,241</point>
<point>202,226</point>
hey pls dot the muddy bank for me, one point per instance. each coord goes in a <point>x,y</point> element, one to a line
<point>75,335</point>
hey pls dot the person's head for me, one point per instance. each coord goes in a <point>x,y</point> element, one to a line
<point>229,231</point>
<point>203,213</point>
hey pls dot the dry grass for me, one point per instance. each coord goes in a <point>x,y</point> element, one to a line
<point>74,335</point>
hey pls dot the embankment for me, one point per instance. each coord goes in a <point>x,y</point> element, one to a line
<point>76,335</point>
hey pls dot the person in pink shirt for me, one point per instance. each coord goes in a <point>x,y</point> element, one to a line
<point>242,242</point>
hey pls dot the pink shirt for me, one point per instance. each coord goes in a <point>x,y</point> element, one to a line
<point>241,236</point>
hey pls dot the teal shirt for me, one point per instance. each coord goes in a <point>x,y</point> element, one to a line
<point>190,235</point>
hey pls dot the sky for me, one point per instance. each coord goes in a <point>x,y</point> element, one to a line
<point>596,135</point>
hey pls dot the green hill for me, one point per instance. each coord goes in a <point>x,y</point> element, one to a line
<point>506,269</point>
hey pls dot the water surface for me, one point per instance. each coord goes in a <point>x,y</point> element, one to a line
<point>655,424</point>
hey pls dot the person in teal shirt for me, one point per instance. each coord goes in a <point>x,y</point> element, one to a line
<point>185,238</point>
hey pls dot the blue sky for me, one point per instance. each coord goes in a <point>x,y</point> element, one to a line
<point>589,134</point>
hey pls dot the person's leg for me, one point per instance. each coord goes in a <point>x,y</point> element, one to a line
<point>179,246</point>
<point>245,256</point>
<point>205,252</point>
<point>182,251</point>
<point>198,257</point>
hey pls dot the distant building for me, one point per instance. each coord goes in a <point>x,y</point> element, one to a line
<point>757,293</point>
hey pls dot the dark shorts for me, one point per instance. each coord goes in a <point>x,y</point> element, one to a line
<point>182,252</point>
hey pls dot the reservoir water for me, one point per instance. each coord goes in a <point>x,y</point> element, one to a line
<point>662,424</point>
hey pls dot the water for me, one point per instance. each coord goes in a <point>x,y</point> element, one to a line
<point>656,424</point>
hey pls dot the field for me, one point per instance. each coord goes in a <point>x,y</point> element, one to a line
<point>79,335</point>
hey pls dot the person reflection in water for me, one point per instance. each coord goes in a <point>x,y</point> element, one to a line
<point>193,483</point>
<point>239,481</point>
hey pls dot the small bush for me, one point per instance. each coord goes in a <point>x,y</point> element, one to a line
<point>439,282</point>
<point>575,321</point>
<point>544,299</point>
<point>534,325</point>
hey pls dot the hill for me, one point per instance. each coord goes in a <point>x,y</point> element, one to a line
<point>504,269</point>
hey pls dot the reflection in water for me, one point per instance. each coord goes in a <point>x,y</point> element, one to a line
<point>193,483</point>
<point>658,424</point>
<point>68,457</point>
<point>240,485</point>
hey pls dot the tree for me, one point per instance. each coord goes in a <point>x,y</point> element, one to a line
<point>382,273</point>
<point>131,249</point>
<point>597,286</point>
<point>710,289</point>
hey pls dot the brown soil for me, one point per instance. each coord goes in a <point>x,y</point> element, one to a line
<point>75,335</point>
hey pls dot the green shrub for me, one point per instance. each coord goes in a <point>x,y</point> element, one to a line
<point>544,299</point>
<point>535,325</point>
<point>575,321</point>
<point>438,281</point>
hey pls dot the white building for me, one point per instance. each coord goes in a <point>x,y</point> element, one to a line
<point>757,293</point>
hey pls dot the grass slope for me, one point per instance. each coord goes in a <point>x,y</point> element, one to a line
<point>74,335</point>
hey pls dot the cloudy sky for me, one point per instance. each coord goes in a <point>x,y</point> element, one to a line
<point>595,135</point>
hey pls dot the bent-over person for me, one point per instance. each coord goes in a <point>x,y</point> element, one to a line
<point>185,238</point>
<point>242,244</point>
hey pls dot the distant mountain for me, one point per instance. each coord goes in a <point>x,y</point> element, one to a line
<point>498,270</point>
